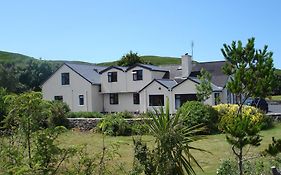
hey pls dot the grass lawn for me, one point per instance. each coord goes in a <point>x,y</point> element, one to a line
<point>216,144</point>
<point>276,97</point>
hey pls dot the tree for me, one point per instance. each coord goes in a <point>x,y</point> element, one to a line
<point>251,71</point>
<point>129,59</point>
<point>204,89</point>
<point>35,73</point>
<point>251,74</point>
<point>9,77</point>
<point>3,106</point>
<point>27,114</point>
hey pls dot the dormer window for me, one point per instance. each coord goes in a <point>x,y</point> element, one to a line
<point>112,76</point>
<point>65,78</point>
<point>137,75</point>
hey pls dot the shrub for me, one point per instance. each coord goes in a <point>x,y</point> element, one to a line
<point>114,125</point>
<point>59,115</point>
<point>228,112</point>
<point>85,115</point>
<point>3,106</point>
<point>126,114</point>
<point>250,167</point>
<point>194,113</point>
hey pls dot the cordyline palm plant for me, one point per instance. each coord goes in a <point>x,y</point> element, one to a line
<point>172,149</point>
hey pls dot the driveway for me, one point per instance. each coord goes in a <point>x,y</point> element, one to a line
<point>274,107</point>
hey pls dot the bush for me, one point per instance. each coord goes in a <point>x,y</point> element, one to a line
<point>114,125</point>
<point>194,113</point>
<point>228,112</point>
<point>85,115</point>
<point>250,167</point>
<point>3,106</point>
<point>59,115</point>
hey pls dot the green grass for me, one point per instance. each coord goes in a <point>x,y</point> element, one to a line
<point>216,144</point>
<point>155,60</point>
<point>13,57</point>
<point>276,98</point>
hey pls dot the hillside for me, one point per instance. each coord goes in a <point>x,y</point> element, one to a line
<point>9,57</point>
<point>155,60</point>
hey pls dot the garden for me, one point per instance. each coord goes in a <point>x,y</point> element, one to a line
<point>226,139</point>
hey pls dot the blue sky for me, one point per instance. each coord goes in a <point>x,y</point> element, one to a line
<point>98,31</point>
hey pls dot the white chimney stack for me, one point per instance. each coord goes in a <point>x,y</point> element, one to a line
<point>186,65</point>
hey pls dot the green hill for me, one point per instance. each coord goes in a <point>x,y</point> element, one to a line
<point>8,57</point>
<point>155,60</point>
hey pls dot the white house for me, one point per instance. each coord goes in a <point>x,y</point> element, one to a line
<point>76,84</point>
<point>138,88</point>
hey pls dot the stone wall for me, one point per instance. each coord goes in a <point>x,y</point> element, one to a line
<point>86,124</point>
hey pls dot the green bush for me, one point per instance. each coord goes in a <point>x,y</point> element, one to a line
<point>250,167</point>
<point>85,115</point>
<point>126,114</point>
<point>194,113</point>
<point>114,125</point>
<point>59,114</point>
<point>228,112</point>
<point>3,106</point>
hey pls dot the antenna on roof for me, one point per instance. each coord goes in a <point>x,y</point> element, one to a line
<point>192,46</point>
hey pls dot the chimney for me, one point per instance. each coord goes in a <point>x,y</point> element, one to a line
<point>186,64</point>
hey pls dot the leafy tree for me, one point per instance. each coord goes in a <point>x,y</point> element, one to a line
<point>251,71</point>
<point>251,74</point>
<point>204,89</point>
<point>3,106</point>
<point>27,114</point>
<point>9,78</point>
<point>129,59</point>
<point>35,73</point>
<point>172,145</point>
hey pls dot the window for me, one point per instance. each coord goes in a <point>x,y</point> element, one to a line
<point>58,98</point>
<point>136,97</point>
<point>65,78</point>
<point>156,100</point>
<point>217,98</point>
<point>180,99</point>
<point>112,76</point>
<point>81,99</point>
<point>137,75</point>
<point>113,99</point>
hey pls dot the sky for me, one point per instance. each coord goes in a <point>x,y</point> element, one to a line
<point>104,30</point>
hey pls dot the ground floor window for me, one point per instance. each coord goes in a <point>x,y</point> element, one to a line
<point>58,98</point>
<point>217,98</point>
<point>113,99</point>
<point>81,99</point>
<point>180,99</point>
<point>136,98</point>
<point>156,100</point>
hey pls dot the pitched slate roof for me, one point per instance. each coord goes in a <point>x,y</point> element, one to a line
<point>114,67</point>
<point>150,67</point>
<point>215,68</point>
<point>90,72</point>
<point>167,83</point>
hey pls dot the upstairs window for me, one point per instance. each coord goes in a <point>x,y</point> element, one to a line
<point>81,100</point>
<point>136,98</point>
<point>156,100</point>
<point>65,78</point>
<point>113,99</point>
<point>112,76</point>
<point>58,98</point>
<point>137,75</point>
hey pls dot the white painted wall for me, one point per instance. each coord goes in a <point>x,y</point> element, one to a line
<point>97,99</point>
<point>126,103</point>
<point>125,82</point>
<point>78,86</point>
<point>113,87</point>
<point>135,86</point>
<point>153,89</point>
